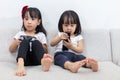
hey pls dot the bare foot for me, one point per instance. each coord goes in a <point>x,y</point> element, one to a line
<point>20,68</point>
<point>74,66</point>
<point>46,62</point>
<point>93,64</point>
<point>20,71</point>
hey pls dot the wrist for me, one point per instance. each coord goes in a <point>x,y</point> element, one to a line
<point>71,47</point>
<point>60,38</point>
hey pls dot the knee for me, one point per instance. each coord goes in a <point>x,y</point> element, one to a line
<point>59,58</point>
<point>36,42</point>
<point>24,42</point>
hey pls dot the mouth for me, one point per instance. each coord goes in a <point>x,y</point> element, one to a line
<point>29,26</point>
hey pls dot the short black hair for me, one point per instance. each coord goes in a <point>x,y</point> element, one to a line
<point>69,17</point>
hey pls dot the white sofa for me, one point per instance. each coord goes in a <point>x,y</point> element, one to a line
<point>103,45</point>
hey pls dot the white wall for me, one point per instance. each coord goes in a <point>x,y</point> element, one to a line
<point>93,13</point>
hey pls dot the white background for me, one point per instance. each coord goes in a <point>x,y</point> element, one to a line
<point>93,13</point>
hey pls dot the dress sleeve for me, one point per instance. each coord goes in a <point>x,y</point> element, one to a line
<point>59,33</point>
<point>80,37</point>
<point>17,36</point>
<point>42,38</point>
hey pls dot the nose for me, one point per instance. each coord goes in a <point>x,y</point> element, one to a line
<point>69,28</point>
<point>29,20</point>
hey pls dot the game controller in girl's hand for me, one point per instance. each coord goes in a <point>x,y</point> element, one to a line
<point>29,38</point>
<point>63,47</point>
<point>68,33</point>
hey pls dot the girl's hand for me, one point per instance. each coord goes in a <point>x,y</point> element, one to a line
<point>64,36</point>
<point>18,41</point>
<point>13,47</point>
<point>67,44</point>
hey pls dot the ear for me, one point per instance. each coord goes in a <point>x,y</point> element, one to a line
<point>39,21</point>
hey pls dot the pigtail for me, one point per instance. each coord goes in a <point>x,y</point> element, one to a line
<point>23,10</point>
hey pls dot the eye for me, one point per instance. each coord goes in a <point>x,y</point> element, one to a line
<point>66,25</point>
<point>26,18</point>
<point>33,18</point>
<point>72,25</point>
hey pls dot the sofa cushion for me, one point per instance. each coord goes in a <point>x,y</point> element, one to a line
<point>97,44</point>
<point>115,42</point>
<point>119,62</point>
<point>58,73</point>
<point>51,32</point>
<point>6,38</point>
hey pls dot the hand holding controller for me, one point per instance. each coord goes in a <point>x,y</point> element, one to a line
<point>68,33</point>
<point>65,48</point>
<point>30,38</point>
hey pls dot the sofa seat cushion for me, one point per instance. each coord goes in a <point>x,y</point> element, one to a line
<point>107,71</point>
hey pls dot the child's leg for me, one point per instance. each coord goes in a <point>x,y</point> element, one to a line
<point>92,63</point>
<point>44,59</point>
<point>65,60</point>
<point>38,51</point>
<point>60,59</point>
<point>77,62</point>
<point>46,62</point>
<point>20,68</point>
<point>74,66</point>
<point>22,52</point>
<point>23,49</point>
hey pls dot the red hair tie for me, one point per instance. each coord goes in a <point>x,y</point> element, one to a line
<point>23,10</point>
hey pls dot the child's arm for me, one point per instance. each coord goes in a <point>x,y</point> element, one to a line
<point>45,48</point>
<point>13,47</point>
<point>58,38</point>
<point>55,40</point>
<point>77,49</point>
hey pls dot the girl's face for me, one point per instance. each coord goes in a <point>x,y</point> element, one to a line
<point>30,23</point>
<point>69,25</point>
<point>69,28</point>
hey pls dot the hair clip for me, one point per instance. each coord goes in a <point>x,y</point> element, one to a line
<point>24,9</point>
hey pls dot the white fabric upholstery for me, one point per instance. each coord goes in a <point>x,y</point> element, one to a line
<point>115,39</point>
<point>107,71</point>
<point>6,35</point>
<point>97,44</point>
<point>119,62</point>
